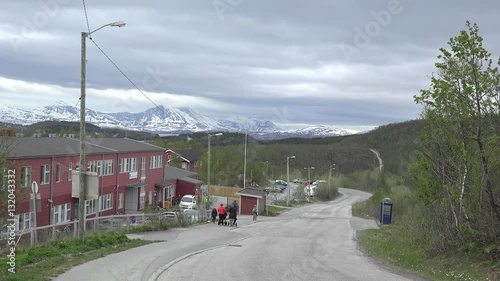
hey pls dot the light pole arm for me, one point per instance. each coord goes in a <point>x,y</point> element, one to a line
<point>117,23</point>
<point>99,28</point>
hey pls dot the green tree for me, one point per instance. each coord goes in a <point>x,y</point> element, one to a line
<point>461,142</point>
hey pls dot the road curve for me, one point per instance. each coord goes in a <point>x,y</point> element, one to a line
<point>313,242</point>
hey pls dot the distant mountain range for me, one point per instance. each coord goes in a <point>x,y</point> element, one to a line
<point>163,120</point>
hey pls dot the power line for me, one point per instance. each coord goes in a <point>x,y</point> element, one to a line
<point>86,17</point>
<point>116,66</point>
<point>125,75</point>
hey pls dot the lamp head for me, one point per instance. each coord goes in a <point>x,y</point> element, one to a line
<point>118,23</point>
<point>292,157</point>
<point>218,134</point>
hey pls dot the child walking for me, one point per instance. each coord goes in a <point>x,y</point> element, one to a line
<point>255,212</point>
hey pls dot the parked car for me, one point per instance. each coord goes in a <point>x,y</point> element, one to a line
<point>274,188</point>
<point>310,190</point>
<point>188,202</point>
<point>318,182</point>
<point>281,182</point>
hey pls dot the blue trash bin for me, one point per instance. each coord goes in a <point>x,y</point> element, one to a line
<point>386,211</point>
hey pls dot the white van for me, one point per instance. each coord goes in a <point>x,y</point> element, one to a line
<point>188,202</point>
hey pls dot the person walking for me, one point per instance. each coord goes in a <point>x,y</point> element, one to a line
<point>232,216</point>
<point>222,214</point>
<point>214,214</point>
<point>255,212</point>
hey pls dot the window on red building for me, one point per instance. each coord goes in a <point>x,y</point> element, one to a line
<point>45,175</point>
<point>58,172</point>
<point>26,176</point>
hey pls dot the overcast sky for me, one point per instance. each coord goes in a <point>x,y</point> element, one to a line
<point>350,64</point>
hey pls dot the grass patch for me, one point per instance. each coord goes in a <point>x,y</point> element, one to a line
<point>47,261</point>
<point>395,245</point>
<point>272,211</point>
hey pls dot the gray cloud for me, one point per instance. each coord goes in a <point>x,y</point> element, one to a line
<point>343,63</point>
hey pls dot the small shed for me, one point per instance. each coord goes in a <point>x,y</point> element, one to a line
<point>249,198</point>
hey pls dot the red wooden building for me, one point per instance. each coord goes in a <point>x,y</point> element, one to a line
<point>126,172</point>
<point>177,183</point>
<point>188,158</point>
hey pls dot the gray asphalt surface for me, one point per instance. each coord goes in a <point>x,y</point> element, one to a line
<point>314,242</point>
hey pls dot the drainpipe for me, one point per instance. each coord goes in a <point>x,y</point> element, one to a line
<point>117,171</point>
<point>102,186</point>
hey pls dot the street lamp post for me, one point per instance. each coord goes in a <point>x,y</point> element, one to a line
<point>82,168</point>
<point>267,171</point>
<point>288,177</point>
<point>309,174</point>
<point>208,168</point>
<point>332,167</point>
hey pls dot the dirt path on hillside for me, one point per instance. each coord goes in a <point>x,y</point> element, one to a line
<point>380,164</point>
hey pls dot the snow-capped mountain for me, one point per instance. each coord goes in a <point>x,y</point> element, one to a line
<point>162,120</point>
<point>61,111</point>
<point>318,131</point>
<point>20,116</point>
<point>240,124</point>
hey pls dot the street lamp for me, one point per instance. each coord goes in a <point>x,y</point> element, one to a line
<point>288,176</point>
<point>208,172</point>
<point>309,174</point>
<point>332,167</point>
<point>82,169</point>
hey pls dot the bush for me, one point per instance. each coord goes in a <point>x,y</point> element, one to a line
<point>326,194</point>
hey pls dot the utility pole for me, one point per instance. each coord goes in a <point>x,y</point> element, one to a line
<point>288,177</point>
<point>83,167</point>
<point>332,167</point>
<point>82,170</point>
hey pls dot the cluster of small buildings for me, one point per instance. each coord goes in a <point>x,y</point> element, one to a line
<point>126,176</point>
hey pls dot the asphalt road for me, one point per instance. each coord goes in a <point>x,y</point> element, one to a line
<point>314,242</point>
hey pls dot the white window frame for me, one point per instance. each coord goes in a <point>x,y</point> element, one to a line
<point>106,202</point>
<point>120,201</point>
<point>61,213</point>
<point>95,166</point>
<point>23,221</point>
<point>70,170</point>
<point>142,195</point>
<point>90,207</point>
<point>45,174</point>
<point>156,162</point>
<point>128,165</point>
<point>26,174</point>
<point>142,201</point>
<point>108,167</point>
<point>58,172</point>
<point>133,164</point>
